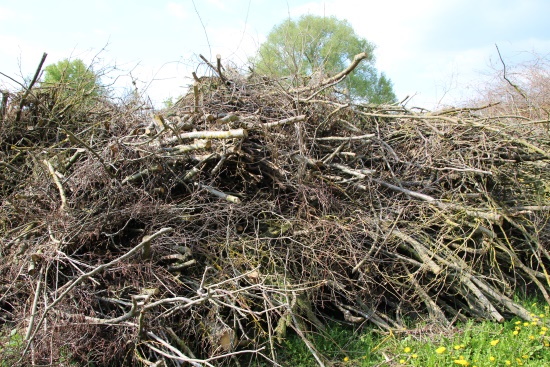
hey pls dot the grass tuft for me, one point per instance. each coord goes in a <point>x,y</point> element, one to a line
<point>474,344</point>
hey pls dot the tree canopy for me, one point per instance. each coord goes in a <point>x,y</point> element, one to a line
<point>74,77</point>
<point>323,46</point>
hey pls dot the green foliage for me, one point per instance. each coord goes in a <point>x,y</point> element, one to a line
<point>168,102</point>
<point>72,78</point>
<point>337,343</point>
<point>513,343</point>
<point>315,45</point>
<point>485,344</point>
<point>11,344</point>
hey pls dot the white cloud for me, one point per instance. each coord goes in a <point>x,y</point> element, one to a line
<point>177,10</point>
<point>219,4</point>
<point>6,14</point>
<point>233,42</point>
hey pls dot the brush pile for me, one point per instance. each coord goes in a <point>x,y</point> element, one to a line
<point>202,234</point>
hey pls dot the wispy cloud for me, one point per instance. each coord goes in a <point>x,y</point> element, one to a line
<point>220,5</point>
<point>6,14</point>
<point>177,10</point>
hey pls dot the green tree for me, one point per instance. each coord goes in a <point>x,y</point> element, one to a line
<point>72,78</point>
<point>319,47</point>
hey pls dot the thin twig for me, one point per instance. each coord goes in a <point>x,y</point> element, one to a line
<point>518,89</point>
<point>146,240</point>
<point>34,79</point>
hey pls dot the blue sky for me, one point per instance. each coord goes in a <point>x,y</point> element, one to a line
<point>439,51</point>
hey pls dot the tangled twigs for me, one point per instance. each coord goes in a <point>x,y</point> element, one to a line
<point>69,286</point>
<point>281,207</point>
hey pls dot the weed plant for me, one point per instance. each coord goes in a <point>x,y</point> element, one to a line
<point>474,344</point>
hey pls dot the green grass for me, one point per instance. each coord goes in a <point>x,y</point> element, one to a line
<point>482,344</point>
<point>337,343</point>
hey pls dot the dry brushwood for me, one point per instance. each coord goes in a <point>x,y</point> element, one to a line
<point>202,234</point>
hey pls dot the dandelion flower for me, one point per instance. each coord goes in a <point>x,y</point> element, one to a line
<point>457,347</point>
<point>440,350</point>
<point>415,356</point>
<point>462,362</point>
<point>518,322</point>
<point>346,359</point>
<point>525,356</point>
<point>492,359</point>
<point>407,350</point>
<point>531,337</point>
<point>495,342</point>
<point>515,332</point>
<point>507,362</point>
<point>402,361</point>
<point>544,328</point>
<point>526,324</point>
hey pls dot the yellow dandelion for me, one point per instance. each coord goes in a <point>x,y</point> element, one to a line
<point>402,361</point>
<point>518,322</point>
<point>415,356</point>
<point>531,337</point>
<point>525,356</point>
<point>534,323</point>
<point>346,359</point>
<point>515,332</point>
<point>546,344</point>
<point>517,328</point>
<point>440,350</point>
<point>544,328</point>
<point>541,315</point>
<point>525,324</point>
<point>407,350</point>
<point>495,342</point>
<point>492,359</point>
<point>507,362</point>
<point>542,332</point>
<point>462,362</point>
<point>457,347</point>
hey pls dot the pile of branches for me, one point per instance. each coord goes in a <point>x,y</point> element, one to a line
<point>204,233</point>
